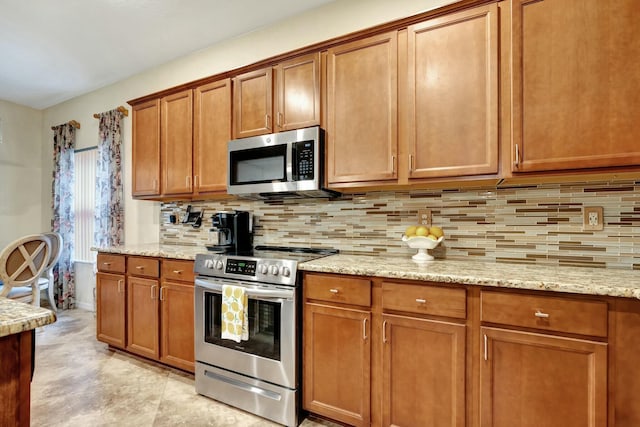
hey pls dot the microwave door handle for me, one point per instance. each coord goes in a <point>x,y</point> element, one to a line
<point>292,174</point>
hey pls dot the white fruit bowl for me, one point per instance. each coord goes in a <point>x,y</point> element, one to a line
<point>422,244</point>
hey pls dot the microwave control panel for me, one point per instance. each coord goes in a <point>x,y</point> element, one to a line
<point>304,160</point>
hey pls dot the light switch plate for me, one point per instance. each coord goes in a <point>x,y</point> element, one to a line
<point>592,218</point>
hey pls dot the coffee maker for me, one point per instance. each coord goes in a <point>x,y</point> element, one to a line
<point>231,232</point>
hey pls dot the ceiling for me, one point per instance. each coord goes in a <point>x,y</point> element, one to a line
<point>52,51</point>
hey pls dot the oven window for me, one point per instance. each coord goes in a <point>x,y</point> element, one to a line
<point>259,165</point>
<point>264,327</point>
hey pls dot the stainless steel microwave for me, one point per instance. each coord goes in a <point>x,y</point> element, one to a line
<point>281,165</point>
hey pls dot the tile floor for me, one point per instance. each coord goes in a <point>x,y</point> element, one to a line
<point>78,381</point>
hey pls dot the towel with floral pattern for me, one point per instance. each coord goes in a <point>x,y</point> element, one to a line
<point>235,316</point>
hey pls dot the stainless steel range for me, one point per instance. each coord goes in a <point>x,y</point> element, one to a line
<point>261,374</point>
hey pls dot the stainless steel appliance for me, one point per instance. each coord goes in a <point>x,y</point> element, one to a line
<point>232,231</point>
<point>262,374</point>
<point>282,165</point>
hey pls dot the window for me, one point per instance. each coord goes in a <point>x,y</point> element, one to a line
<point>85,201</point>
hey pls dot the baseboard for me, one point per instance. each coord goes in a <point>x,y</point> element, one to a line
<point>85,306</point>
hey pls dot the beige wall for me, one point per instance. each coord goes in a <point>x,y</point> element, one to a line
<point>332,20</point>
<point>22,210</point>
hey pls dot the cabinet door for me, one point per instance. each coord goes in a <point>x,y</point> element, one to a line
<point>143,320</point>
<point>423,372</point>
<point>298,92</point>
<point>212,131</point>
<point>110,307</point>
<point>177,303</point>
<point>531,380</point>
<point>337,355</point>
<point>252,103</point>
<point>453,94</point>
<point>575,99</point>
<point>146,149</point>
<point>177,143</point>
<point>362,91</point>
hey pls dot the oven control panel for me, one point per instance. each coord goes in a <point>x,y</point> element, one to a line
<point>267,270</point>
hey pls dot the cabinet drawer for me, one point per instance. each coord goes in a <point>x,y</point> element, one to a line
<point>142,266</point>
<point>110,263</point>
<point>545,312</point>
<point>344,290</point>
<point>177,270</point>
<point>433,300</point>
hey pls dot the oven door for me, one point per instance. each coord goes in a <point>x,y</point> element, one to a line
<point>270,352</point>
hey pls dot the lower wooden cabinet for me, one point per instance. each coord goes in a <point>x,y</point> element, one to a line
<point>423,367</point>
<point>143,315</point>
<point>177,329</point>
<point>111,309</point>
<point>148,311</point>
<point>336,363</point>
<point>530,379</point>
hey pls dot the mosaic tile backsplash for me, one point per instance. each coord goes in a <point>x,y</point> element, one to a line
<point>539,224</point>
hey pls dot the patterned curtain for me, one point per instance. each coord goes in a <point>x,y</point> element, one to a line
<point>109,212</point>
<point>64,141</point>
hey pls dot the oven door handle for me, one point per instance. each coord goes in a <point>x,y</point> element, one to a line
<point>263,294</point>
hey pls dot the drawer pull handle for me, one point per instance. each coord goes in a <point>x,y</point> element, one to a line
<point>486,348</point>
<point>120,282</point>
<point>106,263</point>
<point>177,271</point>
<point>139,267</point>
<point>161,293</point>
<point>421,300</point>
<point>541,315</point>
<point>333,291</point>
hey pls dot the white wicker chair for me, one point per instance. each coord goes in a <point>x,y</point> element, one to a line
<point>21,264</point>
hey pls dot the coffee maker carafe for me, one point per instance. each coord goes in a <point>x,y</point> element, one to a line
<point>233,230</point>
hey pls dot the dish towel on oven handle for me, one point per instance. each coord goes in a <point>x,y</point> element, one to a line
<point>235,313</point>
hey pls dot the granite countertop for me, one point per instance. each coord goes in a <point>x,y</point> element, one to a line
<point>16,317</point>
<point>577,280</point>
<point>155,250</point>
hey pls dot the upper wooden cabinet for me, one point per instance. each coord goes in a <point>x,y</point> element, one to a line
<point>261,107</point>
<point>575,97</point>
<point>252,103</point>
<point>362,86</point>
<point>176,142</point>
<point>452,91</point>
<point>297,94</point>
<point>211,132</point>
<point>146,149</point>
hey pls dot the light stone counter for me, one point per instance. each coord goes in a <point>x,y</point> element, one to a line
<point>155,250</point>
<point>591,281</point>
<point>16,317</point>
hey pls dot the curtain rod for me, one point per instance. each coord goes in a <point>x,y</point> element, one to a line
<point>71,122</point>
<point>122,109</point>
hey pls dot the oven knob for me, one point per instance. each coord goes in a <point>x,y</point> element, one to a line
<point>285,271</point>
<point>274,270</point>
<point>263,269</point>
<point>219,265</point>
<point>208,263</point>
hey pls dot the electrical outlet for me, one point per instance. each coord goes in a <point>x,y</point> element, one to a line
<point>424,217</point>
<point>592,218</point>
